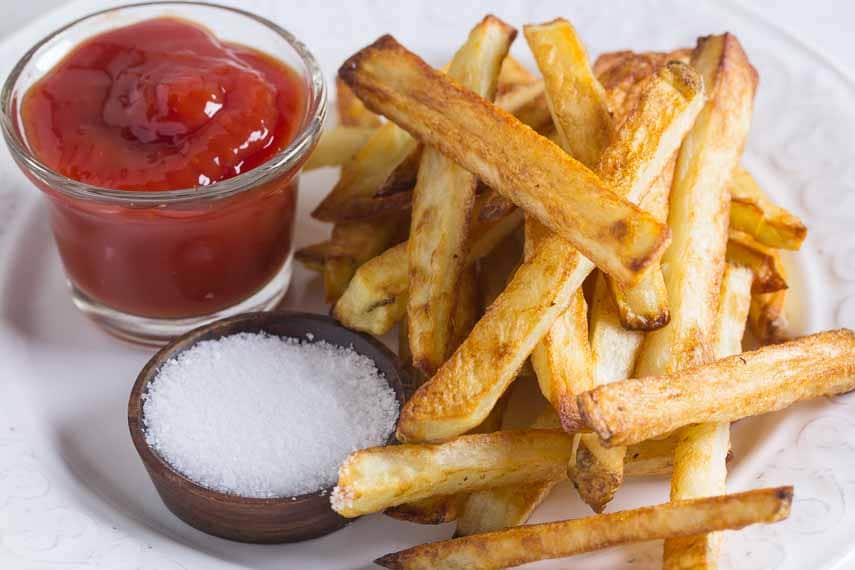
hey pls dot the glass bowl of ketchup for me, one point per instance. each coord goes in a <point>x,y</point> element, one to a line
<point>168,139</point>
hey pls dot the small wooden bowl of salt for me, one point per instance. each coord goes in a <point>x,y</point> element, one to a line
<point>242,424</point>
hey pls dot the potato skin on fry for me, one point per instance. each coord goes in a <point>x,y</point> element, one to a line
<point>520,545</point>
<point>748,384</point>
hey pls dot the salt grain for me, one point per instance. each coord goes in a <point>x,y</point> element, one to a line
<point>263,416</point>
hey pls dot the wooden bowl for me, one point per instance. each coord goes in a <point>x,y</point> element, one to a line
<point>269,521</point>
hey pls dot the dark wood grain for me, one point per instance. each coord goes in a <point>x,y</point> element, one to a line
<point>286,519</point>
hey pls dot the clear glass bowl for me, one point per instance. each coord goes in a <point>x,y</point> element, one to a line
<point>149,266</point>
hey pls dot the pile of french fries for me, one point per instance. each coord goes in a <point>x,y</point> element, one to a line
<point>572,260</point>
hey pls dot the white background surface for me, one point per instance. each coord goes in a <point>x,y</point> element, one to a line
<point>824,24</point>
<point>72,492</point>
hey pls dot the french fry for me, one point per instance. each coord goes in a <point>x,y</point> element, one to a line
<point>644,307</point>
<point>496,268</point>
<point>443,508</point>
<point>744,251</point>
<point>576,99</point>
<point>371,480</point>
<point>503,507</point>
<point>380,176</point>
<point>337,146</point>
<point>698,217</point>
<point>752,212</point>
<point>313,256</point>
<point>376,297</point>
<point>651,457</point>
<point>766,317</point>
<point>442,204</point>
<point>515,161</point>
<point>752,383</point>
<point>352,198</point>
<point>378,478</point>
<point>401,180</point>
<point>513,73</point>
<point>596,471</point>
<point>526,102</point>
<point>562,359</point>
<point>624,75</point>
<point>530,543</point>
<point>467,308</point>
<point>350,246</point>
<point>433,510</point>
<point>464,389</point>
<point>699,208</point>
<point>351,111</point>
<point>700,458</point>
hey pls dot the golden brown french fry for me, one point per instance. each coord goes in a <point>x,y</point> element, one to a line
<point>562,359</point>
<point>401,180</point>
<point>526,102</point>
<point>699,208</point>
<point>744,251</point>
<point>576,99</point>
<point>382,173</point>
<point>502,507</point>
<point>596,471</point>
<point>495,268</point>
<point>467,307</point>
<point>350,246</point>
<point>337,146</point>
<point>351,111</point>
<point>313,256</point>
<point>764,380</point>
<point>513,73</point>
<point>651,457</point>
<point>644,306</point>
<point>527,168</point>
<point>433,510</point>
<point>371,480</point>
<point>624,74</point>
<point>487,362</point>
<point>700,458</point>
<point>376,297</point>
<point>442,205</point>
<point>767,319</point>
<point>752,212</point>
<point>530,543</point>
<point>443,508</point>
<point>352,198</point>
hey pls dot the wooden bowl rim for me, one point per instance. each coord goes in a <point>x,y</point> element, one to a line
<point>187,340</point>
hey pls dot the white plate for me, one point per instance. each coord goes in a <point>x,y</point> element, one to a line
<point>74,495</point>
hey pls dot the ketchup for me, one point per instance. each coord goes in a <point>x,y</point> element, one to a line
<point>163,105</point>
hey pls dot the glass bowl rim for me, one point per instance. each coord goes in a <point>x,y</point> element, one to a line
<point>283,161</point>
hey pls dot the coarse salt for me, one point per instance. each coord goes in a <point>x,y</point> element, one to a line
<point>262,416</point>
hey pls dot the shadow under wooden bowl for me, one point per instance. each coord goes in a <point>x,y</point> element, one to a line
<point>268,521</point>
